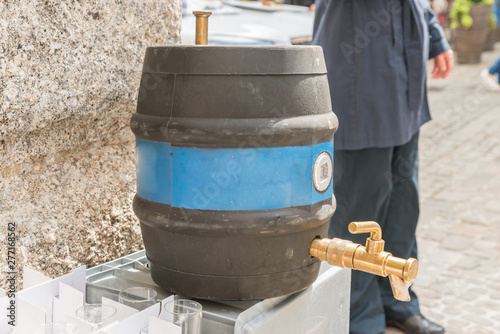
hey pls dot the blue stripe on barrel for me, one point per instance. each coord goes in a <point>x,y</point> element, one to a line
<point>229,179</point>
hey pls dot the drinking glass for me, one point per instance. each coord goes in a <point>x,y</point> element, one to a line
<point>185,313</point>
<point>58,328</point>
<point>139,298</point>
<point>95,314</point>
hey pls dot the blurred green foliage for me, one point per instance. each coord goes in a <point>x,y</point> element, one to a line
<point>460,12</point>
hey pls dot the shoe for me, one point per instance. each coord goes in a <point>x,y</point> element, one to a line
<point>489,80</point>
<point>417,324</point>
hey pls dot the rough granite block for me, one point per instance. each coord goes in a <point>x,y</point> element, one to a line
<point>69,77</point>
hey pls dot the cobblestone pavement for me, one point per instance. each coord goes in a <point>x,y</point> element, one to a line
<point>459,229</point>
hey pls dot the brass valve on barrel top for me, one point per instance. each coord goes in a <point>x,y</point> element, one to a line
<point>201,27</point>
<point>371,258</point>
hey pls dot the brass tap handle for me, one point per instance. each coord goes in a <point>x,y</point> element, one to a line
<point>366,227</point>
<point>371,259</point>
<point>374,244</point>
<point>201,27</point>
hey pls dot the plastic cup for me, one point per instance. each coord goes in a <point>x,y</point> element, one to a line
<point>58,328</point>
<point>186,314</point>
<point>95,314</point>
<point>139,298</point>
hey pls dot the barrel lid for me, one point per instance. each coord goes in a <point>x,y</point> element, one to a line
<point>229,60</point>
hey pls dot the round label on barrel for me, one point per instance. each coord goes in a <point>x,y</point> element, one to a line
<point>322,171</point>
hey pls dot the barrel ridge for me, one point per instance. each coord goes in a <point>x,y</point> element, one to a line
<point>240,223</point>
<point>236,133</point>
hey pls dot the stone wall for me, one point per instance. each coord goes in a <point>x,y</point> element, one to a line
<point>69,77</point>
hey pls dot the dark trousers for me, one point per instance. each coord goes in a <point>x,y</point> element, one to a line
<point>378,184</point>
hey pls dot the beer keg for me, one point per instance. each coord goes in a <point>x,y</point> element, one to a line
<point>234,168</point>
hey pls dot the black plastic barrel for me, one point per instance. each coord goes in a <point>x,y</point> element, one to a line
<point>235,149</point>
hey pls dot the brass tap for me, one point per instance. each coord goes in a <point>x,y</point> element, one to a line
<point>201,27</point>
<point>371,258</point>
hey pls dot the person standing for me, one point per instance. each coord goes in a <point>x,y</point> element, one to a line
<point>376,53</point>
<point>488,75</point>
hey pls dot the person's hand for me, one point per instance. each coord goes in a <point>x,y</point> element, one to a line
<point>312,7</point>
<point>443,63</point>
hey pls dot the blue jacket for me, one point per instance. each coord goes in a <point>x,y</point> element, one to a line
<point>376,53</point>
